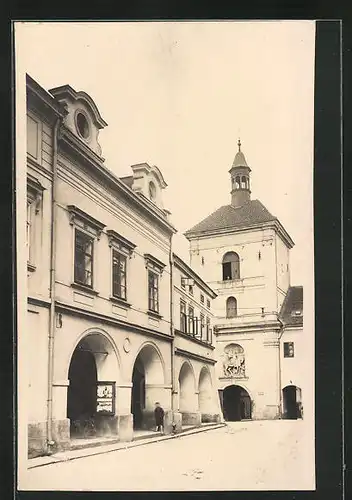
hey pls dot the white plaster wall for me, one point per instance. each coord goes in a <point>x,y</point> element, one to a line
<point>37,345</point>
<point>256,287</point>
<point>297,370</point>
<point>116,215</point>
<point>262,368</point>
<point>40,169</point>
<point>283,270</point>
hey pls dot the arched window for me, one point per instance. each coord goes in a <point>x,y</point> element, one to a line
<point>243,182</point>
<point>231,307</point>
<point>238,181</point>
<point>230,266</point>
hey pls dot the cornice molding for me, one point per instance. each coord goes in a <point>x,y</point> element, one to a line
<point>193,339</point>
<point>85,155</point>
<point>104,198</point>
<point>198,357</point>
<point>143,330</point>
<point>274,224</point>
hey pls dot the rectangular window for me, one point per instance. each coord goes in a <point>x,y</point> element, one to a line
<point>208,303</point>
<point>183,283</point>
<point>118,275</point>
<point>153,291</point>
<point>183,317</point>
<point>190,289</point>
<point>201,298</point>
<point>289,350</point>
<point>191,319</point>
<point>83,259</point>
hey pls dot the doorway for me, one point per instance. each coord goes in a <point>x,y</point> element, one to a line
<point>138,394</point>
<point>291,402</point>
<point>236,404</point>
<point>81,396</point>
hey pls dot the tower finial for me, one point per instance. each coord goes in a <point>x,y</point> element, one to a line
<point>239,144</point>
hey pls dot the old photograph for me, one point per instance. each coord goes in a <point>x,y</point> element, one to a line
<point>165,255</point>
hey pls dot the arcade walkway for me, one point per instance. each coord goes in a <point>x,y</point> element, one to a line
<point>274,455</point>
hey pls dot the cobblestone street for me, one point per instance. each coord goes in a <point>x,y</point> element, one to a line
<point>267,455</point>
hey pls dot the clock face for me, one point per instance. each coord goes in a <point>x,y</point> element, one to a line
<point>152,190</point>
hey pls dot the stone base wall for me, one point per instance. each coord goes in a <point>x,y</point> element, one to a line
<point>37,439</point>
<point>210,417</point>
<point>125,427</point>
<point>177,422</point>
<point>61,435</point>
<point>191,418</point>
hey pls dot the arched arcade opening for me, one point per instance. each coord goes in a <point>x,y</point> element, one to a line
<point>236,403</point>
<point>205,395</point>
<point>188,400</point>
<point>91,395</point>
<point>148,387</point>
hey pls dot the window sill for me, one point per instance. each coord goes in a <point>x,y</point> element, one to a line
<point>120,302</point>
<point>84,288</point>
<point>154,314</point>
<point>31,267</point>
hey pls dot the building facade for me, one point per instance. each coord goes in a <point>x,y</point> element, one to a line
<point>102,347</point>
<point>197,398</point>
<point>242,251</point>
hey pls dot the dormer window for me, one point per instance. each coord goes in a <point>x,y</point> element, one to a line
<point>82,125</point>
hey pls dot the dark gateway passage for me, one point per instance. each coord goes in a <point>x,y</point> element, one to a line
<point>236,403</point>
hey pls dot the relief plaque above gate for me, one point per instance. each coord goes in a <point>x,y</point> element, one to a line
<point>234,361</point>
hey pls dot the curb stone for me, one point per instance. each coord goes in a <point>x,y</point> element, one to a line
<point>101,450</point>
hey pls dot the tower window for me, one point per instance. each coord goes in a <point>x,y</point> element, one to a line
<point>230,266</point>
<point>231,307</point>
<point>244,183</point>
<point>238,182</point>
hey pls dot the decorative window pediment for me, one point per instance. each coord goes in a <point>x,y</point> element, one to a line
<point>85,221</point>
<point>153,263</point>
<point>120,243</point>
<point>34,192</point>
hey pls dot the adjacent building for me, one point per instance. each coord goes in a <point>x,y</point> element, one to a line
<point>103,347</point>
<point>242,251</point>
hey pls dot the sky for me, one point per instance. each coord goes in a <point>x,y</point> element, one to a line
<point>179,95</point>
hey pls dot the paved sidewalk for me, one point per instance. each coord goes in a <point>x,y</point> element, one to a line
<point>108,448</point>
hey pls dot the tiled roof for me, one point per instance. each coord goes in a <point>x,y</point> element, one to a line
<point>128,180</point>
<point>292,308</point>
<point>227,217</point>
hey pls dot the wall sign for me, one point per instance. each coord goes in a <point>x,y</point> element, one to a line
<point>106,398</point>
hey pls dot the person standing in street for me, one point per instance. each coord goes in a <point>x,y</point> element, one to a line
<point>159,417</point>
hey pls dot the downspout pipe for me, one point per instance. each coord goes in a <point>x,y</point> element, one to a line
<point>51,336</point>
<point>281,331</point>
<point>172,332</point>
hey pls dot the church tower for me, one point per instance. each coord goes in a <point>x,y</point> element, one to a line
<point>242,252</point>
<point>240,179</point>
